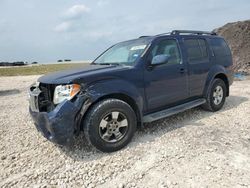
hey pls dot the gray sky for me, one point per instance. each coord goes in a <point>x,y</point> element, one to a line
<point>45,31</point>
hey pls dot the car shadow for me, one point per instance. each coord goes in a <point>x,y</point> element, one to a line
<point>9,92</point>
<point>80,150</point>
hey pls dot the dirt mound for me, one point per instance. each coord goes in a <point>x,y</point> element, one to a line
<point>237,35</point>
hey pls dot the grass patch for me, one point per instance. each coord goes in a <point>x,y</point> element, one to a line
<point>38,69</point>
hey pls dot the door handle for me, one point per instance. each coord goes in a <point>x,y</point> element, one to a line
<point>182,70</point>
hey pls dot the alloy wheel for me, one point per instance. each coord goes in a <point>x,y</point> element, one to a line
<point>113,127</point>
<point>217,95</point>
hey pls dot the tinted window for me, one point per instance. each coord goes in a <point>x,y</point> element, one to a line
<point>196,50</point>
<point>167,47</point>
<point>219,47</point>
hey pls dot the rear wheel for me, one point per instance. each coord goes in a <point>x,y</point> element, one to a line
<point>216,96</point>
<point>110,125</point>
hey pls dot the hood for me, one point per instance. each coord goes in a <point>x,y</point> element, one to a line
<point>68,76</point>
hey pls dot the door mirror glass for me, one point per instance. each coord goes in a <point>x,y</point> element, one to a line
<point>160,59</point>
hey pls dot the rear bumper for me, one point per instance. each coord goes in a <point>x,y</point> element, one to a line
<point>59,125</point>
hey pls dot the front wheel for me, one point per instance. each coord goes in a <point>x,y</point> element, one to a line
<point>110,125</point>
<point>216,96</point>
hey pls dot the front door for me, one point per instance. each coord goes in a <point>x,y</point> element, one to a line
<point>165,84</point>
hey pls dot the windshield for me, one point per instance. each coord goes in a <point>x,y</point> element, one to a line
<point>125,53</point>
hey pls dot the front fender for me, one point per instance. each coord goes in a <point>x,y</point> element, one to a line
<point>103,88</point>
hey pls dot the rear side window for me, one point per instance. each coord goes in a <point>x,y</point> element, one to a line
<point>196,50</point>
<point>219,47</point>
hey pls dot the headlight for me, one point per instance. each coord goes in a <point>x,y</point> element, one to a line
<point>67,92</point>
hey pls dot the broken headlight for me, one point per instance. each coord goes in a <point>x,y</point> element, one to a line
<point>65,92</point>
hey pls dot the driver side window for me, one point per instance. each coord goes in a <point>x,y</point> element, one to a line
<point>167,47</point>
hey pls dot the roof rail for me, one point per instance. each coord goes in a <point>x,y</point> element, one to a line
<point>177,32</point>
<point>168,33</point>
<point>143,37</point>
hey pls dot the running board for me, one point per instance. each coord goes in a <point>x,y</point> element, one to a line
<point>173,110</point>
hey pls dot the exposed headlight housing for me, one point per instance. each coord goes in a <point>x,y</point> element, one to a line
<point>67,92</point>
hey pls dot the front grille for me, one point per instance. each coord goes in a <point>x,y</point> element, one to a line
<point>46,97</point>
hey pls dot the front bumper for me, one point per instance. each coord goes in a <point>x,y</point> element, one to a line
<point>59,125</point>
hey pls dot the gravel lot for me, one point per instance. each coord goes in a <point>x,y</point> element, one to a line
<point>191,149</point>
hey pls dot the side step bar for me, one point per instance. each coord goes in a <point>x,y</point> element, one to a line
<point>173,110</point>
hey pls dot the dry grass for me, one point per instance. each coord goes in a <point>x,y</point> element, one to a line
<point>37,69</point>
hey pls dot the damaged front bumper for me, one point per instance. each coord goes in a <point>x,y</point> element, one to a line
<point>59,125</point>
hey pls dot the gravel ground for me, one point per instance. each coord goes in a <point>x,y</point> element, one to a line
<point>192,149</point>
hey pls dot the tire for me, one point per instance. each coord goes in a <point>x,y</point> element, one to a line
<point>110,125</point>
<point>214,101</point>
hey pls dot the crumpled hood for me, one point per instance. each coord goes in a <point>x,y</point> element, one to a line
<point>68,76</point>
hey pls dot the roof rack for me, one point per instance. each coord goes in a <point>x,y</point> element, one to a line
<point>177,32</point>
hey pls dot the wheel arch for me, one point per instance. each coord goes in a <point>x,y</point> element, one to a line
<point>116,89</point>
<point>120,96</point>
<point>223,77</point>
<point>126,98</point>
<point>216,72</point>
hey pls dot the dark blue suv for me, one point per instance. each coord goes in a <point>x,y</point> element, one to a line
<point>133,82</point>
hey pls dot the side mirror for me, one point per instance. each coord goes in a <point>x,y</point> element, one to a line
<point>160,59</point>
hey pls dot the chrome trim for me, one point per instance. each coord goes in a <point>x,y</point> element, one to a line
<point>34,93</point>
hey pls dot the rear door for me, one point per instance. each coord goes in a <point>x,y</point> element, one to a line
<point>198,58</point>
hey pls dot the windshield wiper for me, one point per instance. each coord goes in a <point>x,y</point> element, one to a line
<point>108,64</point>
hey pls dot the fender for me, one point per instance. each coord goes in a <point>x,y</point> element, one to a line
<point>97,90</point>
<point>215,70</point>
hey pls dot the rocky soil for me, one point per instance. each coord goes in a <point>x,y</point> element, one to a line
<point>192,149</point>
<point>237,35</point>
